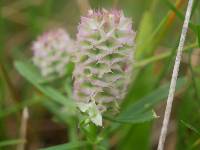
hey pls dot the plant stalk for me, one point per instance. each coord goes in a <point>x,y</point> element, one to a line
<point>174,77</point>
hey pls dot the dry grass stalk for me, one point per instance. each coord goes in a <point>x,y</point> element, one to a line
<point>23,128</point>
<point>174,77</point>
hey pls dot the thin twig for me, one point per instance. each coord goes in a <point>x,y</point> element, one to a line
<point>23,129</point>
<point>174,77</point>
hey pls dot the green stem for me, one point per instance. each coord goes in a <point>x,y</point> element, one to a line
<point>72,122</point>
<point>72,130</point>
<point>194,83</point>
<point>164,55</point>
<point>11,142</point>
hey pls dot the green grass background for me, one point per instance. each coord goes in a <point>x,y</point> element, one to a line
<point>158,24</point>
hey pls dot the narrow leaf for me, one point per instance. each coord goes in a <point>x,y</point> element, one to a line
<point>142,108</point>
<point>147,102</point>
<point>30,74</point>
<point>145,32</point>
<point>189,126</point>
<point>68,146</point>
<point>178,13</point>
<point>10,142</point>
<point>138,118</point>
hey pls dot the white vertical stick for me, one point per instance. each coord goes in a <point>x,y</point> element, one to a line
<point>174,77</point>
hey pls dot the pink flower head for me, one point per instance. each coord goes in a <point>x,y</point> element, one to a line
<point>105,61</point>
<point>51,52</point>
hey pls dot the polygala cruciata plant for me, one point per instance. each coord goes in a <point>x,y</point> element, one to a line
<point>52,52</point>
<point>104,64</point>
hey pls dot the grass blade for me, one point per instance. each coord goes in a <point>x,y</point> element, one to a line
<point>68,146</point>
<point>10,142</point>
<point>137,118</point>
<point>189,126</point>
<point>30,74</point>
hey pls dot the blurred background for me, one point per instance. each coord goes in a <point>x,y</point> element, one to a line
<point>158,24</point>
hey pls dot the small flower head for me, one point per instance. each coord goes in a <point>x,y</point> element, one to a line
<point>51,52</point>
<point>105,60</point>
